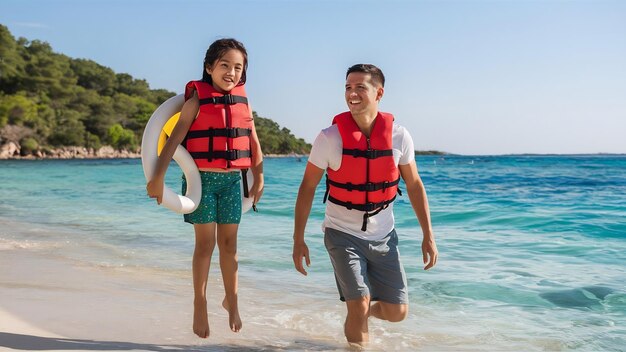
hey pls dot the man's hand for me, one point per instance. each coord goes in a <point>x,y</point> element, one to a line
<point>300,250</point>
<point>430,253</point>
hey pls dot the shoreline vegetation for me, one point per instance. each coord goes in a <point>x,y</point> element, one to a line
<point>58,107</point>
<point>11,152</point>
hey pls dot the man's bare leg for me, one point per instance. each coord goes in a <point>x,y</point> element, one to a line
<point>355,327</point>
<point>227,243</point>
<point>389,311</point>
<point>201,263</point>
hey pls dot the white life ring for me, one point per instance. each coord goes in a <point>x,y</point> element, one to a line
<point>152,137</point>
<point>149,155</point>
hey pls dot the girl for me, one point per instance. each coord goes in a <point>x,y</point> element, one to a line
<point>217,129</point>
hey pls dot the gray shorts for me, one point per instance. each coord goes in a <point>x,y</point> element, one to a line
<point>367,268</point>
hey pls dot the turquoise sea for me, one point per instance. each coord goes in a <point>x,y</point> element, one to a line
<point>532,248</point>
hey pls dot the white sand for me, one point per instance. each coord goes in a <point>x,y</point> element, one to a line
<point>51,303</point>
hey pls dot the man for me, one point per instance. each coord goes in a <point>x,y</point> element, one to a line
<point>364,153</point>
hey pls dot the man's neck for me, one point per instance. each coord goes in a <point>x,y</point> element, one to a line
<point>365,121</point>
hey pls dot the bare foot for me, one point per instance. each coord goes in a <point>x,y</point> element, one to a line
<point>234,321</point>
<point>200,319</point>
<point>357,346</point>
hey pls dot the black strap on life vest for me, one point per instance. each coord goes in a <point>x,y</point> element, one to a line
<point>232,154</point>
<point>368,154</point>
<point>226,99</point>
<point>220,132</point>
<point>367,207</point>
<point>364,187</point>
<point>217,132</point>
<point>367,215</point>
<point>370,209</point>
<point>367,187</point>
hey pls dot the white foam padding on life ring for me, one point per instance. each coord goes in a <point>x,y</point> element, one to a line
<point>149,156</point>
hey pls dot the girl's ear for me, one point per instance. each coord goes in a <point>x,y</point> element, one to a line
<point>208,70</point>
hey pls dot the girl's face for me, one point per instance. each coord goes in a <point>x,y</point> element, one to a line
<point>226,71</point>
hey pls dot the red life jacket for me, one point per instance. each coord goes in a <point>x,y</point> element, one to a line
<point>219,137</point>
<point>368,177</point>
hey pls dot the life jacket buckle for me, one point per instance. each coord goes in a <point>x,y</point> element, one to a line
<point>231,154</point>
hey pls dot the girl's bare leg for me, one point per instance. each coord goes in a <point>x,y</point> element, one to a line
<point>227,243</point>
<point>205,243</point>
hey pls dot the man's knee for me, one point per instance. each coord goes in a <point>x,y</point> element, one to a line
<point>359,308</point>
<point>395,312</point>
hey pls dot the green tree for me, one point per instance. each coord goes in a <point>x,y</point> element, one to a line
<point>47,72</point>
<point>128,85</point>
<point>121,138</point>
<point>29,145</point>
<point>17,109</point>
<point>69,130</point>
<point>158,96</point>
<point>11,62</point>
<point>91,75</point>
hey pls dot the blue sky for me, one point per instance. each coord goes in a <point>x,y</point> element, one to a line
<point>467,77</point>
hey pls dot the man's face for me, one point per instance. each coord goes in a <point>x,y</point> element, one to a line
<point>361,94</point>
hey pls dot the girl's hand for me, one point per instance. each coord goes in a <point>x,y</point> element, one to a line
<point>256,191</point>
<point>155,189</point>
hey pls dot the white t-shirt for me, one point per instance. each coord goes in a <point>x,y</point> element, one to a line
<point>326,153</point>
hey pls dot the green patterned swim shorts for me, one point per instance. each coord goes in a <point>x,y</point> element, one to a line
<point>221,199</point>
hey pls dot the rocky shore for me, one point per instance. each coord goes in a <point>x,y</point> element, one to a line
<point>13,150</point>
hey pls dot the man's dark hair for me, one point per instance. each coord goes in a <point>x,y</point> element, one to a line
<point>376,74</point>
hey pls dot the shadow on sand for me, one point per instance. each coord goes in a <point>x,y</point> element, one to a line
<point>38,343</point>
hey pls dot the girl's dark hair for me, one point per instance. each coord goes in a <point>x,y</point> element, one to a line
<point>375,72</point>
<point>217,50</point>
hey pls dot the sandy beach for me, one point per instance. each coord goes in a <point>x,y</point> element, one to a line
<point>52,303</point>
